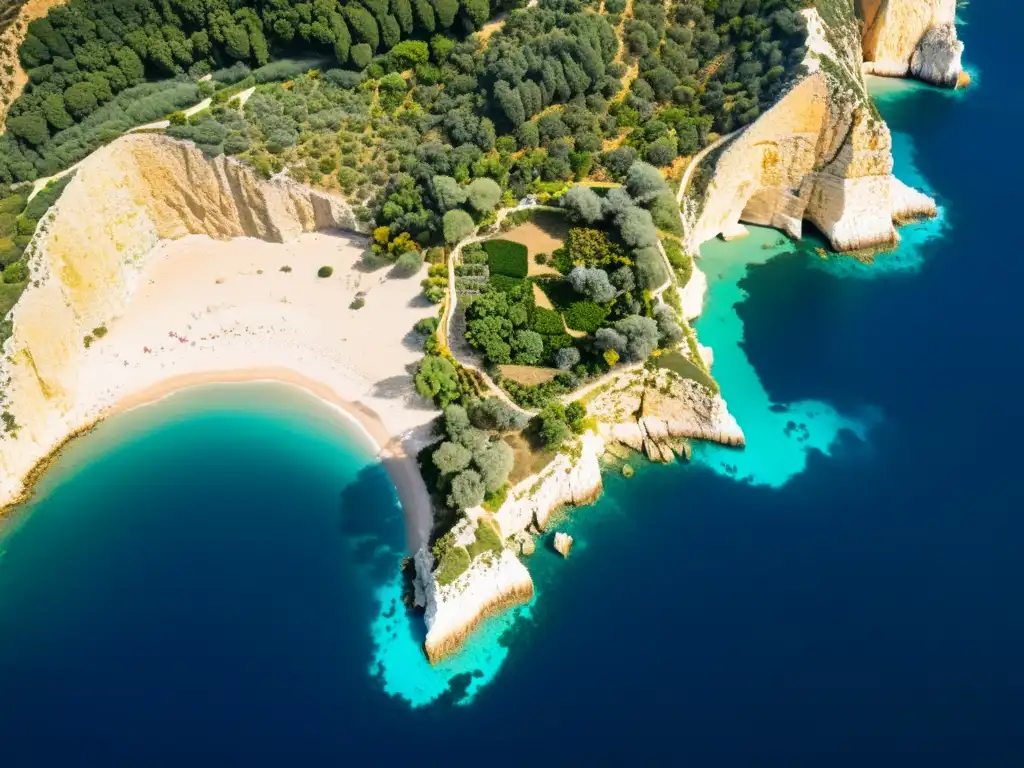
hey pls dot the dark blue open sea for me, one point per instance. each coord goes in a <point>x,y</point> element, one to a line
<point>212,580</point>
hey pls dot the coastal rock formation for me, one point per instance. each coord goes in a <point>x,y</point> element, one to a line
<point>567,480</point>
<point>821,154</point>
<point>916,37</point>
<point>87,256</point>
<point>656,412</point>
<point>488,586</point>
<point>937,57</point>
<point>493,583</point>
<point>563,543</point>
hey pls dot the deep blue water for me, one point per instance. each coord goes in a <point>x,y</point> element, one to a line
<point>199,580</point>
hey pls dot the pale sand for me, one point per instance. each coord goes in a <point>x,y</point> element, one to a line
<point>206,314</point>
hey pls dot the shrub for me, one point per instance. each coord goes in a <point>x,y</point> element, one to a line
<point>507,258</point>
<point>436,378</point>
<point>231,75</point>
<point>16,272</point>
<point>665,214</point>
<point>100,331</point>
<point>474,254</point>
<point>426,326</point>
<point>408,264</point>
<point>451,565</point>
<point>682,263</point>
<point>325,271</point>
<point>285,268</point>
<point>546,321</point>
<point>487,539</point>
<point>357,303</point>
<point>585,316</point>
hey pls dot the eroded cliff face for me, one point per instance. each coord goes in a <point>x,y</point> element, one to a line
<point>821,154</point>
<point>89,251</point>
<point>493,583</point>
<point>656,412</point>
<point>912,37</point>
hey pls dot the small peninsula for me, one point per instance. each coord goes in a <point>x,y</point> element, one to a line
<point>473,227</point>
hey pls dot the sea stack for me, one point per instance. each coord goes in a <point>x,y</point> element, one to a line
<point>563,543</point>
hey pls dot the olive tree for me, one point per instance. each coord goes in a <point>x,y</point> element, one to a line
<point>582,204</point>
<point>457,225</point>
<point>644,182</point>
<point>467,490</point>
<point>483,194</point>
<point>592,283</point>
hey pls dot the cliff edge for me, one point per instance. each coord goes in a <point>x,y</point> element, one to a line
<point>822,154</point>
<point>89,251</point>
<point>495,578</point>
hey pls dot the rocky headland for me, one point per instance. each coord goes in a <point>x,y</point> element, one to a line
<point>822,154</point>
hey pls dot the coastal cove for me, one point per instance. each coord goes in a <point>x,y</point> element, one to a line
<point>214,569</point>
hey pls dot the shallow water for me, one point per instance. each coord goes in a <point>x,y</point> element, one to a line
<point>215,576</point>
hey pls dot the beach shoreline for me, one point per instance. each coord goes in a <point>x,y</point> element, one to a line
<point>388,448</point>
<point>224,312</point>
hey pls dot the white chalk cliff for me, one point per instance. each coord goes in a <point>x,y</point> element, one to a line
<point>821,154</point>
<point>912,37</point>
<point>493,583</point>
<point>89,251</point>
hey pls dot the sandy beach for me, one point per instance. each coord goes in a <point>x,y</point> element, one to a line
<point>209,311</point>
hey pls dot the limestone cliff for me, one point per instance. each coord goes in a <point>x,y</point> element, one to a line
<point>656,412</point>
<point>490,584</point>
<point>821,154</point>
<point>89,251</point>
<point>915,37</point>
<point>493,582</point>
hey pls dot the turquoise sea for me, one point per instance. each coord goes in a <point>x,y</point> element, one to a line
<point>213,578</point>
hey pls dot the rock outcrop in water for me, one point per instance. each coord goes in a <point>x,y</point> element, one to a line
<point>822,154</point>
<point>563,543</point>
<point>655,413</point>
<point>912,37</point>
<point>88,254</point>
